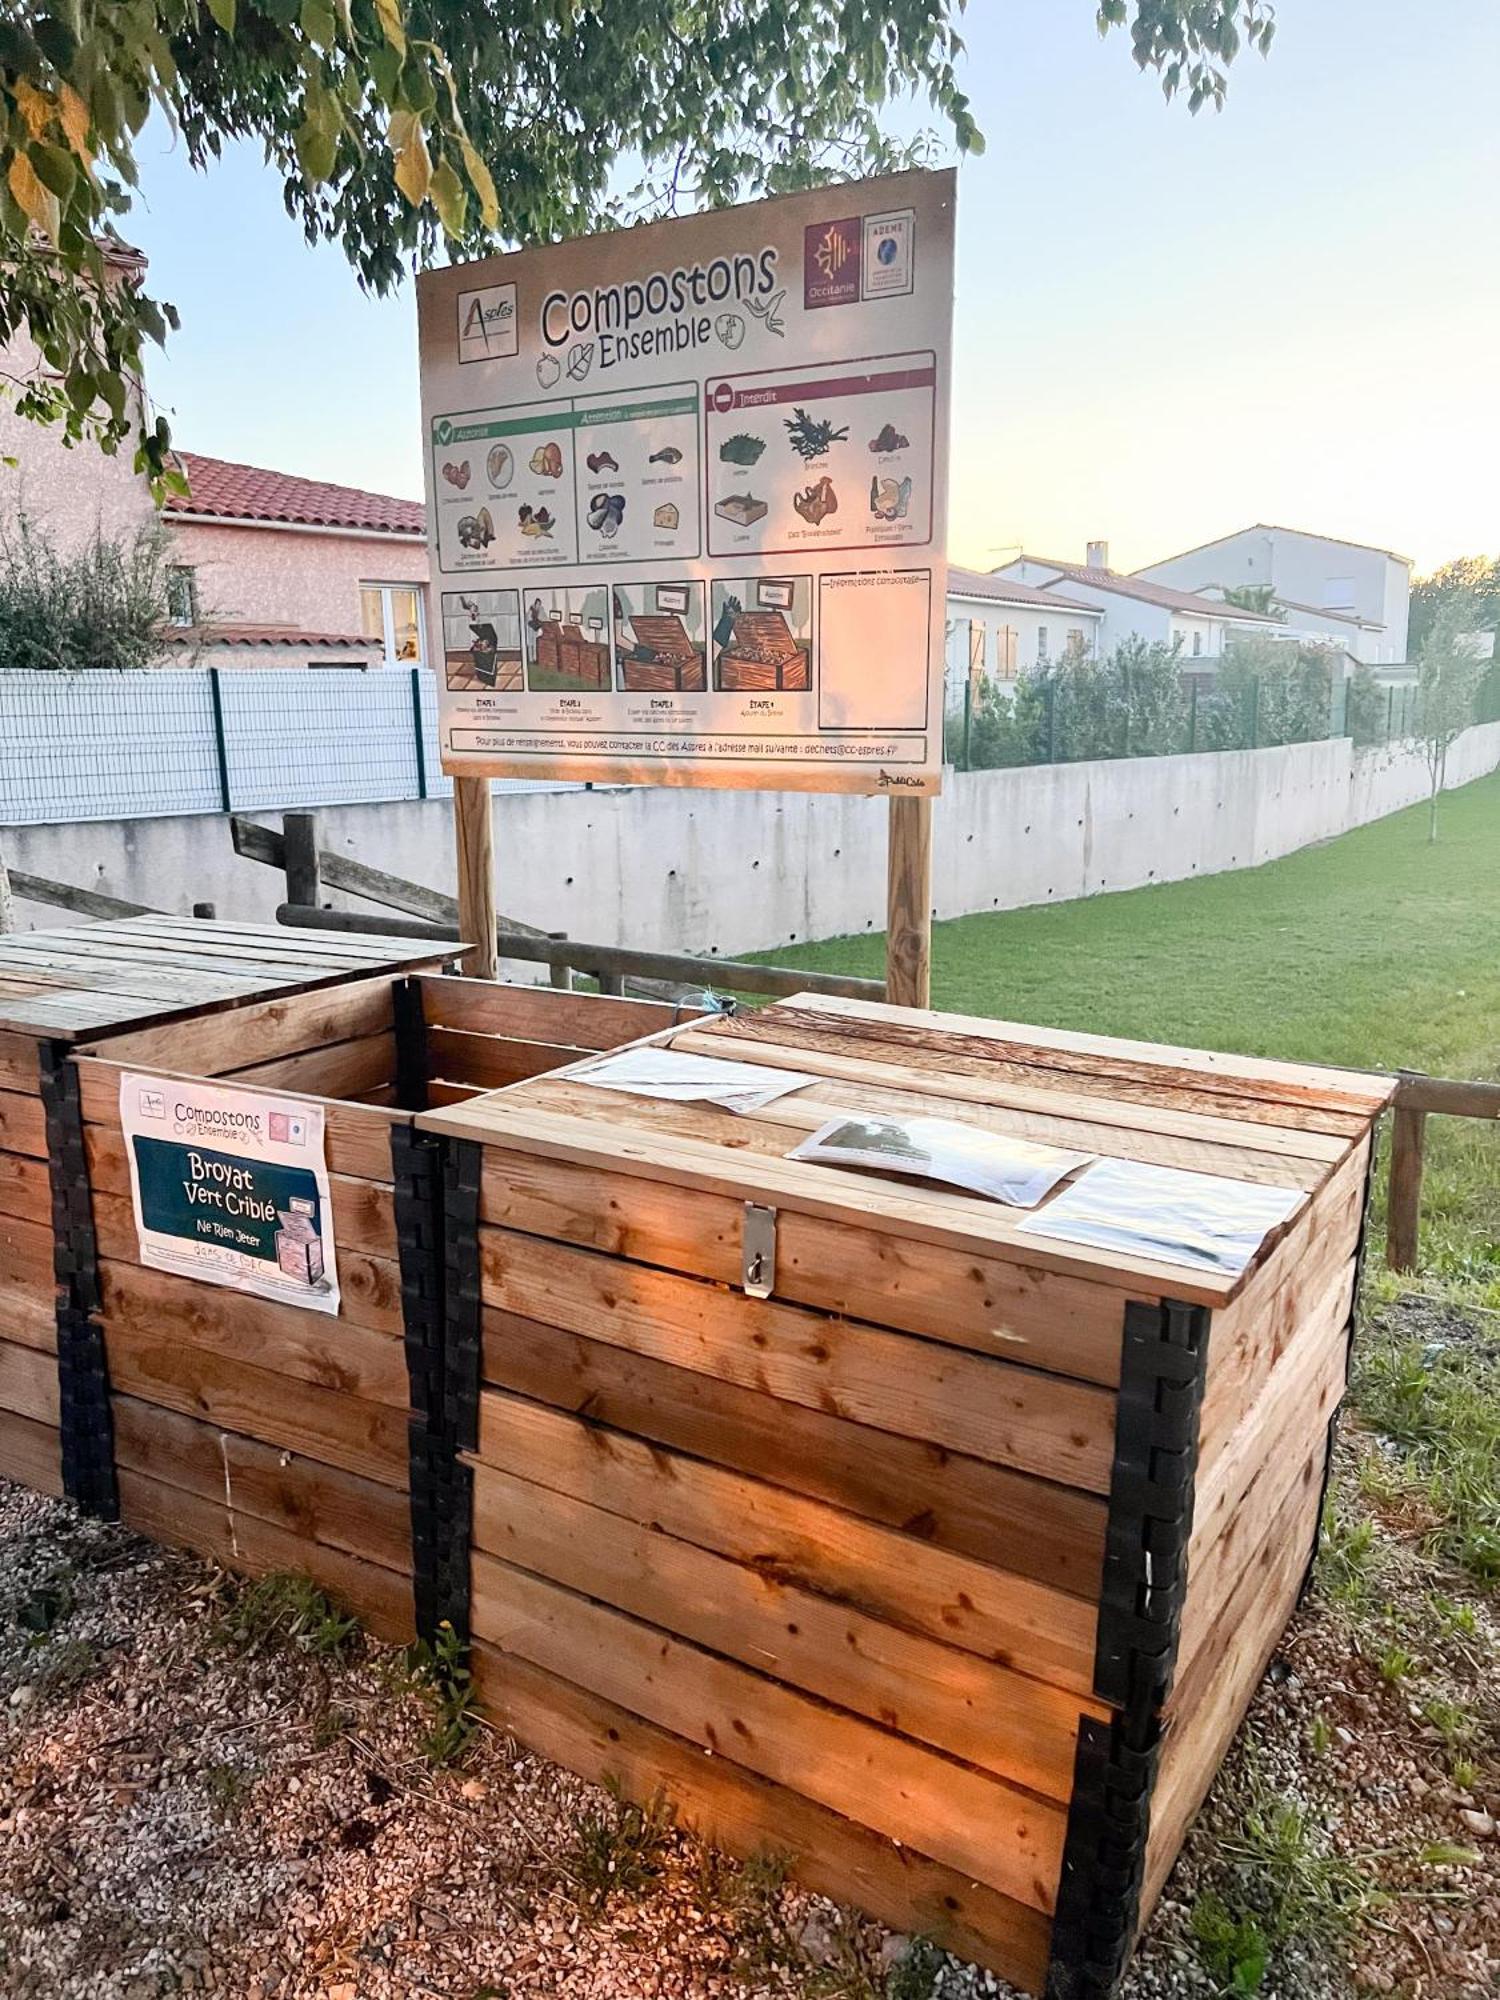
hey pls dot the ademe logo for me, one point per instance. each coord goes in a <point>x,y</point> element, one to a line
<point>489,326</point>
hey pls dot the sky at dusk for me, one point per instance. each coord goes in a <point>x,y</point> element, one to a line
<point>1166,328</point>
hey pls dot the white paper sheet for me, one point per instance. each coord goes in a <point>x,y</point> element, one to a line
<point>680,1078</point>
<point>941,1149</point>
<point>1200,1220</point>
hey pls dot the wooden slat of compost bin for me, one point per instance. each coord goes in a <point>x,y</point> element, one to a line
<point>333,1353</point>
<point>744,1814</point>
<point>81,983</point>
<point>1019,1417</point>
<point>895,1216</point>
<point>1113,1056</point>
<point>25,1188</point>
<point>257,1032</point>
<point>933,1693</point>
<point>1139,1085</point>
<point>23,1126</point>
<point>28,1287</point>
<point>330,1425</point>
<point>995,1834</point>
<point>1031,1626</point>
<point>493,1061</point>
<point>243,1542</point>
<point>28,1382</point>
<point>1054,1534</point>
<point>776,1128</point>
<point>1261,1153</point>
<point>1068,1325</point>
<point>242,1475</point>
<point>543,1014</point>
<point>1213,1700</point>
<point>30,1453</point>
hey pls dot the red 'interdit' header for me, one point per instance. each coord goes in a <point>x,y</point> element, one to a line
<point>724,396</point>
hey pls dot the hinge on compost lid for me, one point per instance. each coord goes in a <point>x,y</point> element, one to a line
<point>758,1251</point>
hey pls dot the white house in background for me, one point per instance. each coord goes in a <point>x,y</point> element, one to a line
<point>998,628</point>
<point>1341,593</point>
<point>1135,607</point>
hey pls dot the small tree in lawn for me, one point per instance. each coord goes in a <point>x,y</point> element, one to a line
<point>1449,670</point>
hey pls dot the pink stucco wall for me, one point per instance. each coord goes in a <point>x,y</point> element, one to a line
<point>67,493</point>
<point>267,575</point>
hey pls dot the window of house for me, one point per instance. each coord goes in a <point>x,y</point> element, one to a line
<point>1338,593</point>
<point>1197,645</point>
<point>1076,644</point>
<point>1041,643</point>
<point>391,616</point>
<point>182,594</point>
<point>1007,641</point>
<point>976,648</point>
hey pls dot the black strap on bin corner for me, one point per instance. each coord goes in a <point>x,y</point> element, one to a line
<point>413,1068</point>
<point>437,1235</point>
<point>1360,1247</point>
<point>1163,1361</point>
<point>84,1416</point>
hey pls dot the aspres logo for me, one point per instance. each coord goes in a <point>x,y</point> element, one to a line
<point>489,326</point>
<point>831,262</point>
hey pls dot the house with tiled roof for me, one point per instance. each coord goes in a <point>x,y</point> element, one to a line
<point>1136,607</point>
<point>270,569</point>
<point>997,627</point>
<point>1326,590</point>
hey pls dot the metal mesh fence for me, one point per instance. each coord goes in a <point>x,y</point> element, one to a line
<point>145,745</point>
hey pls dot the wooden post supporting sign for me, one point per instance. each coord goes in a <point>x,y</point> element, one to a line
<point>908,930</point>
<point>474,841</point>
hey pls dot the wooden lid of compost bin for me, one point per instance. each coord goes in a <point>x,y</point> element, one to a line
<point>1268,1123</point>
<point>89,980</point>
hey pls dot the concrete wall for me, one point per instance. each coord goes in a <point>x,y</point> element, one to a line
<point>744,871</point>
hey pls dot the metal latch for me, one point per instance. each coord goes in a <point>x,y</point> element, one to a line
<point>758,1251</point>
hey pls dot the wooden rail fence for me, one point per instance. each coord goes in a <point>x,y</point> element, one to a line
<point>1418,1098</point>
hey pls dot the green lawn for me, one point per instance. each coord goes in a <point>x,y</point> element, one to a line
<point>1377,950</point>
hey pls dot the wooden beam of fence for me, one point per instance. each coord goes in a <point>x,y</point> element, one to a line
<point>84,902</point>
<point>606,962</point>
<point>253,842</point>
<point>1418,1098</point>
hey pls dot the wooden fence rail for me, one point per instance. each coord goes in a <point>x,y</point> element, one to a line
<point>1418,1098</point>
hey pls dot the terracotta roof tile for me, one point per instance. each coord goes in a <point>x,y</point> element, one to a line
<point>1005,590</point>
<point>249,493</point>
<point>266,635</point>
<point>1148,593</point>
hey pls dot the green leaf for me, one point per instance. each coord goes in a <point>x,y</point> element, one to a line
<point>316,147</point>
<point>223,13</point>
<point>391,24</point>
<point>481,182</point>
<point>319,23</point>
<point>55,169</point>
<point>449,197</point>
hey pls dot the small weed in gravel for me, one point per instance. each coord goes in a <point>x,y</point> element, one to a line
<point>285,1609</point>
<point>439,1673</point>
<point>619,1851</point>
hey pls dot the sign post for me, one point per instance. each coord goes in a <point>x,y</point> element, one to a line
<point>687,504</point>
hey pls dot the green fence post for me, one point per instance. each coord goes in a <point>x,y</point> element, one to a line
<point>1051,722</point>
<point>968,722</point>
<point>1193,719</point>
<point>416,731</point>
<point>221,753</point>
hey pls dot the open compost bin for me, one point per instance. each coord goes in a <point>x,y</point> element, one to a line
<point>934,1541</point>
<point>266,1436</point>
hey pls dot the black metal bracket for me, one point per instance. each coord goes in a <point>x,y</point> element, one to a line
<point>438,1236</point>
<point>85,1420</point>
<point>413,1067</point>
<point>1360,1247</point>
<point>1163,1363</point>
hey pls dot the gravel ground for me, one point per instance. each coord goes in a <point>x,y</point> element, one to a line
<point>184,1813</point>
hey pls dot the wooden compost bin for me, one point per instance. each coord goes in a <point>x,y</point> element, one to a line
<point>265,1436</point>
<point>913,1546</point>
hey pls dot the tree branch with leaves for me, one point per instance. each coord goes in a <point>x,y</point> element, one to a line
<point>406,129</point>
